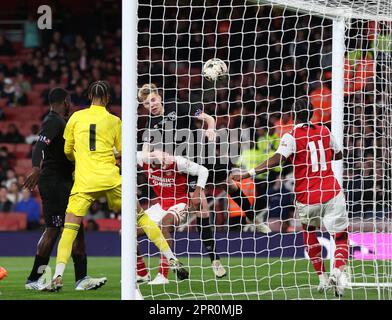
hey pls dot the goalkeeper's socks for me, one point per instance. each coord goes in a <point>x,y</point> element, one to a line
<point>243,202</point>
<point>164,267</point>
<point>141,267</point>
<point>38,262</point>
<point>80,264</point>
<point>205,230</point>
<point>314,249</point>
<point>341,251</point>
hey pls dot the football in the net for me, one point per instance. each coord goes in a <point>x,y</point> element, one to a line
<point>214,70</point>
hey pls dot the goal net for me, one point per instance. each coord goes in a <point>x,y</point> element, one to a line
<point>335,53</point>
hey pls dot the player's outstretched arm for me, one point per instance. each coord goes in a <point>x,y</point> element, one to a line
<point>211,124</point>
<point>267,165</point>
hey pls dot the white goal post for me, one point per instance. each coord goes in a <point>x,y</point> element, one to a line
<point>361,122</point>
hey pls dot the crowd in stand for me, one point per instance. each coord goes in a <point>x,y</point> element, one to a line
<point>70,57</point>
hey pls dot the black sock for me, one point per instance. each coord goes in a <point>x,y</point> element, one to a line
<point>207,237</point>
<point>243,202</point>
<point>38,262</point>
<point>80,264</point>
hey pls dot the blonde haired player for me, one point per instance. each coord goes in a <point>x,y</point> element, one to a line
<point>90,138</point>
<point>168,176</point>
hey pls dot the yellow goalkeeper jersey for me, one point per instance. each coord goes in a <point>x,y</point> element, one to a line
<point>90,136</point>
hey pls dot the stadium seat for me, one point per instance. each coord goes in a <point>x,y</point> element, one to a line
<point>10,147</point>
<point>3,103</point>
<point>39,87</point>
<point>22,150</point>
<point>34,98</point>
<point>13,221</point>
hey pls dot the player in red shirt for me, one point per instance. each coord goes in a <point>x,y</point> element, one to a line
<point>319,199</point>
<point>168,176</point>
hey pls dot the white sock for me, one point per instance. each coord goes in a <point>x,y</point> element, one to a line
<point>169,255</point>
<point>60,267</point>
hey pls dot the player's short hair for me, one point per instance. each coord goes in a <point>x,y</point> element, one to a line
<point>145,90</point>
<point>57,95</point>
<point>303,111</point>
<point>98,90</point>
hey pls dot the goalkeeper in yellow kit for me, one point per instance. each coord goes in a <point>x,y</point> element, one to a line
<point>90,138</point>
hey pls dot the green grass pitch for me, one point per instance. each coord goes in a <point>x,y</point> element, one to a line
<point>247,278</point>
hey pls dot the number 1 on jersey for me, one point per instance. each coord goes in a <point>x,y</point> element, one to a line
<point>314,157</point>
<point>93,129</point>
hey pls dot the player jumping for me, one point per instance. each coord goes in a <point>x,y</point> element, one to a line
<point>319,198</point>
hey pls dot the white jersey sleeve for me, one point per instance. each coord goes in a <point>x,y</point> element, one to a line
<point>287,145</point>
<point>189,167</point>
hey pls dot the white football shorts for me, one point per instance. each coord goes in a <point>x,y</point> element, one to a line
<point>156,213</point>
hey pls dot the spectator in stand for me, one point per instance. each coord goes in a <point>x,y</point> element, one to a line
<point>2,78</point>
<point>45,93</point>
<point>14,194</point>
<point>31,207</point>
<point>13,135</point>
<point>8,92</point>
<point>5,158</point>
<point>78,98</point>
<point>5,46</point>
<point>321,101</point>
<point>24,84</point>
<point>40,76</point>
<point>5,204</point>
<point>33,136</point>
<point>10,178</point>
<point>116,96</point>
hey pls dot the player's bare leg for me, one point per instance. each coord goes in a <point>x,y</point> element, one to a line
<point>243,202</point>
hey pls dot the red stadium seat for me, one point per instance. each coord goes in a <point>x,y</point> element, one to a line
<point>22,150</point>
<point>39,87</point>
<point>3,103</point>
<point>10,147</point>
<point>13,221</point>
<point>34,98</point>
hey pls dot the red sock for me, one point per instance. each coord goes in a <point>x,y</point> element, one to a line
<point>141,267</point>
<point>164,267</point>
<point>314,249</point>
<point>341,250</point>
